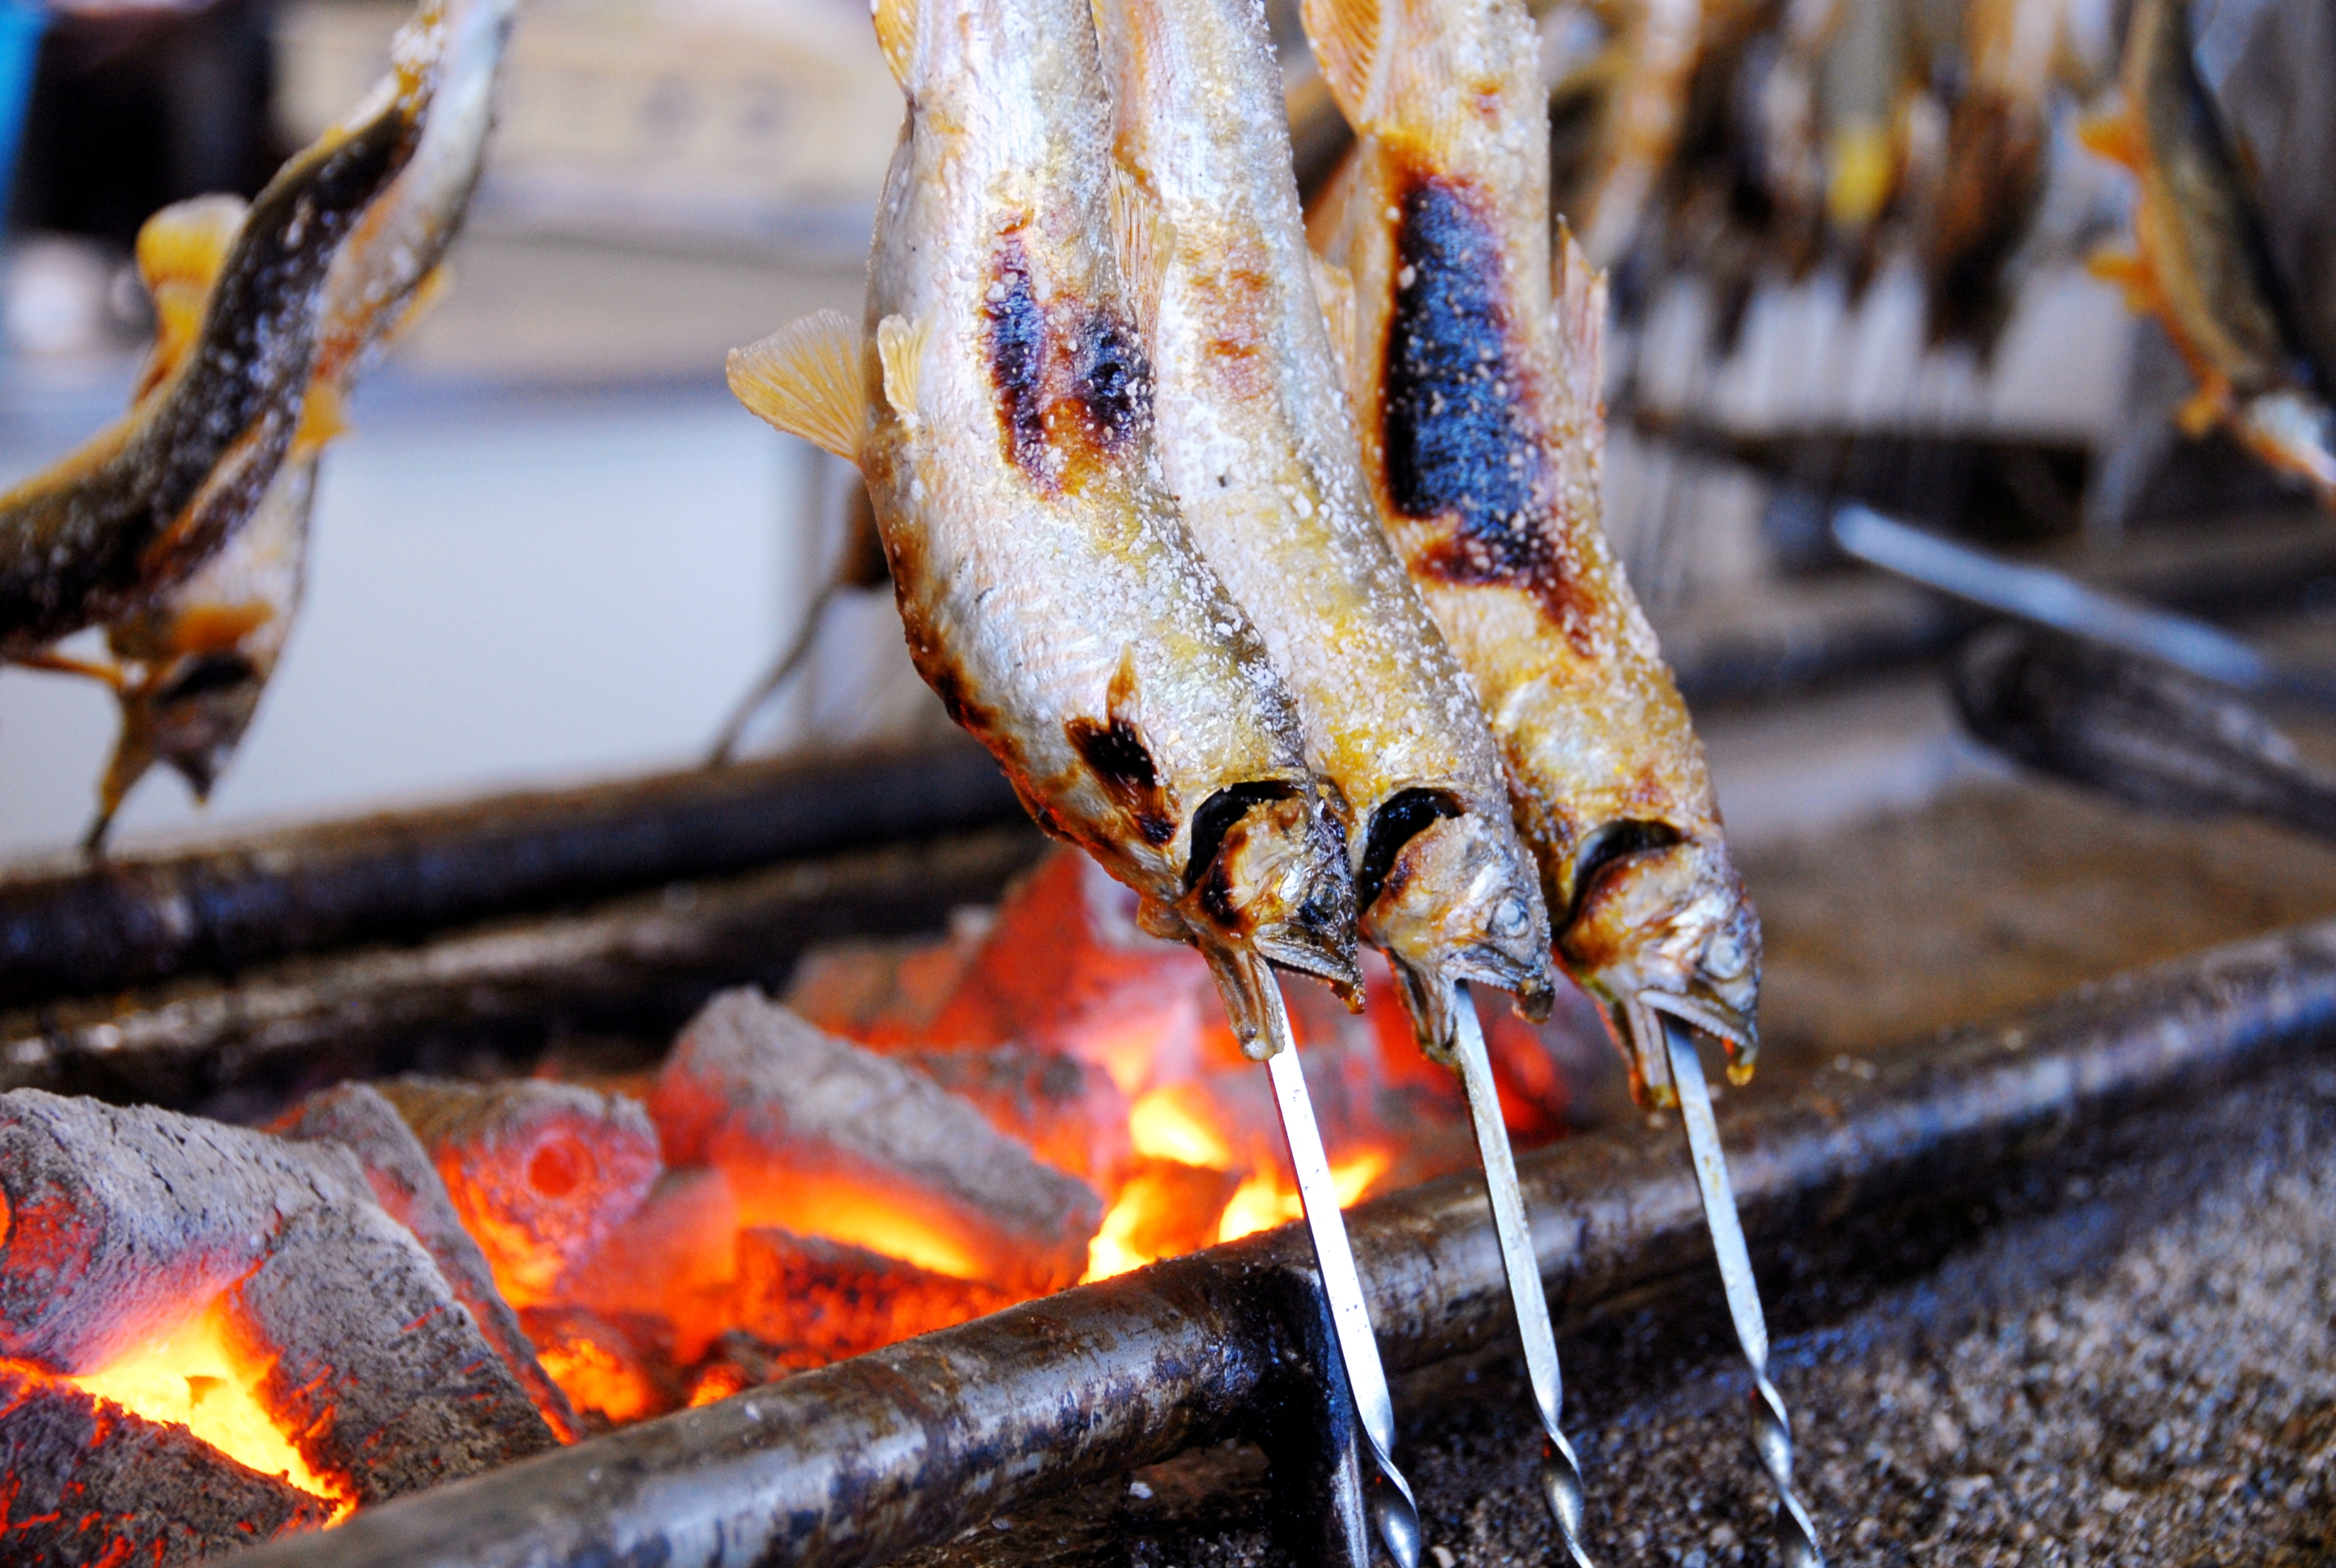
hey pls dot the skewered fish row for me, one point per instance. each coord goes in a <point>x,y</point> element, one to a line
<point>1477,377</point>
<point>1258,442</point>
<point>141,506</point>
<point>199,655</point>
<point>1001,409</point>
<point>2201,265</point>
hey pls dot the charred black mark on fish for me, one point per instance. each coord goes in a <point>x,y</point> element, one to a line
<point>1115,382</point>
<point>1017,358</point>
<point>1392,825</point>
<point>1073,386</point>
<point>1115,754</point>
<point>1457,446</point>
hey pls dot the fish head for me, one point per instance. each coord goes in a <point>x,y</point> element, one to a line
<point>191,717</point>
<point>1661,925</point>
<point>1267,878</point>
<point>1449,896</point>
<point>2290,431</point>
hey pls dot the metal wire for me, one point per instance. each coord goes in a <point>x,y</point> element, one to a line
<point>1772,1427</point>
<point>1560,1473</point>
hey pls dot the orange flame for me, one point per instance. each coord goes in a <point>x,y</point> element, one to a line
<point>194,1376</point>
<point>1263,1200</point>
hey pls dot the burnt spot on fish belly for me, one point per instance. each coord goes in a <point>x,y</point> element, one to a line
<point>1115,752</point>
<point>1113,383</point>
<point>1017,358</point>
<point>1457,447</point>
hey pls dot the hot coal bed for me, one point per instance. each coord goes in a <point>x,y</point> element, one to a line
<point>576,1178</point>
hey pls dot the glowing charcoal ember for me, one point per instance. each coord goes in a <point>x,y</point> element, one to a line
<point>357,1348</point>
<point>1069,1112</point>
<point>408,1188</point>
<point>822,1137</point>
<point>831,1299</point>
<point>883,993</point>
<point>609,1371</point>
<point>538,1173</point>
<point>1067,969</point>
<point>371,1362</point>
<point>1164,1209</point>
<point>673,1259</point>
<point>83,1481</point>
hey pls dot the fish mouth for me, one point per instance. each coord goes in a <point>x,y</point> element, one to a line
<point>1449,897</point>
<point>1667,930</point>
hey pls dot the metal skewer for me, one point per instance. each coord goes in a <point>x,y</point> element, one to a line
<point>1393,1510</point>
<point>1772,1428</point>
<point>1560,1474</point>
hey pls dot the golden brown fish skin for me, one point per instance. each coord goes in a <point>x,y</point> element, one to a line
<point>202,652</point>
<point>1481,434</point>
<point>1051,594</point>
<point>1257,441</point>
<point>146,504</point>
<point>2201,266</point>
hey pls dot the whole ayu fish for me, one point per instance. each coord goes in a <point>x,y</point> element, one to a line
<point>142,505</point>
<point>1000,408</point>
<point>203,651</point>
<point>1257,441</point>
<point>2201,264</point>
<point>1478,388</point>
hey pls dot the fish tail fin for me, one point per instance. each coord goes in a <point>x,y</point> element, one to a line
<point>1349,38</point>
<point>896,34</point>
<point>809,379</point>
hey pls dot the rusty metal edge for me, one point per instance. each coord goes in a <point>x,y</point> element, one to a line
<point>858,1462</point>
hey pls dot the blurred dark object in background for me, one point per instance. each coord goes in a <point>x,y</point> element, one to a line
<point>138,106</point>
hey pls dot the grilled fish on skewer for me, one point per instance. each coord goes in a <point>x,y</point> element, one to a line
<point>1482,429</point>
<point>1256,441</point>
<point>205,649</point>
<point>1477,378</point>
<point>148,501</point>
<point>1000,409</point>
<point>2201,265</point>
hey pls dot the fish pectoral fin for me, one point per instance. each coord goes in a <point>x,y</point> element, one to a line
<point>900,346</point>
<point>809,378</point>
<point>1138,229</point>
<point>1349,38</point>
<point>896,34</point>
<point>320,422</point>
<point>1334,291</point>
<point>2130,273</point>
<point>2203,409</point>
<point>1578,313</point>
<point>2113,136</point>
<point>180,251</point>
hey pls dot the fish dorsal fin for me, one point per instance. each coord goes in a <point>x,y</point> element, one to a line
<point>180,251</point>
<point>896,34</point>
<point>1333,290</point>
<point>1577,315</point>
<point>1349,38</point>
<point>1137,227</point>
<point>900,346</point>
<point>809,379</point>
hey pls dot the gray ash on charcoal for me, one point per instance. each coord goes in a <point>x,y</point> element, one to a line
<point>122,1224</point>
<point>356,1117</point>
<point>793,1115</point>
